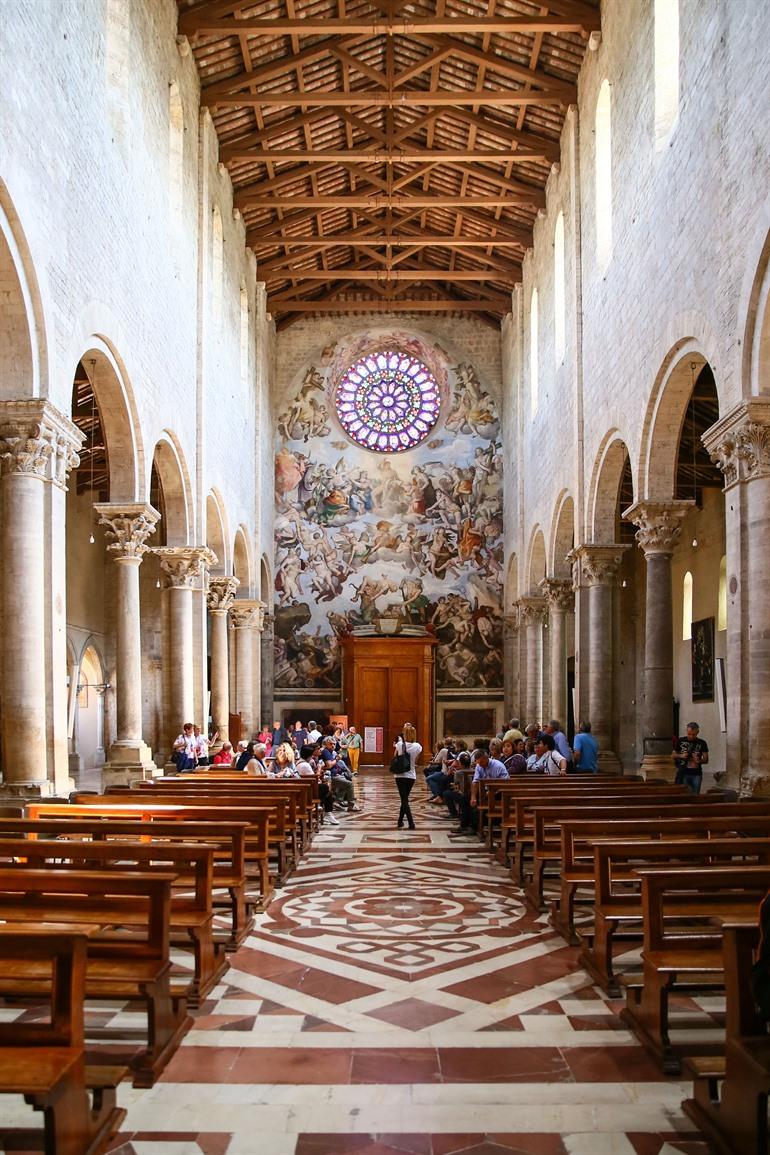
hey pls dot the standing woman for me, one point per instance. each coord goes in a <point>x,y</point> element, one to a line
<point>407,743</point>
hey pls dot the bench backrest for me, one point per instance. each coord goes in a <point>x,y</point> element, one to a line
<point>66,951</point>
<point>707,892</point>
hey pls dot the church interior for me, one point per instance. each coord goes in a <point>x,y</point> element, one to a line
<point>384,378</point>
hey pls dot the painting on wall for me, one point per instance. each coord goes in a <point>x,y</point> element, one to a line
<point>703,660</point>
<point>388,480</point>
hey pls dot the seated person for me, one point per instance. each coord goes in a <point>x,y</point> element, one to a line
<point>513,756</point>
<point>225,756</point>
<point>341,778</point>
<point>283,761</point>
<point>256,765</point>
<point>454,774</point>
<point>485,767</point>
<point>547,758</point>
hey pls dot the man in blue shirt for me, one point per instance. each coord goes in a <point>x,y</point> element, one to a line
<point>485,767</point>
<point>560,742</point>
<point>586,750</point>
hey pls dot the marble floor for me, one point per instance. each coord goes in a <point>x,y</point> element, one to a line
<point>397,997</point>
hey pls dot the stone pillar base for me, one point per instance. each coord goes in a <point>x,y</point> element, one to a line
<point>608,762</point>
<point>127,763</point>
<point>30,791</point>
<point>658,766</point>
<point>753,785</point>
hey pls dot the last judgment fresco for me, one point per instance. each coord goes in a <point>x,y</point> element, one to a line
<point>408,527</point>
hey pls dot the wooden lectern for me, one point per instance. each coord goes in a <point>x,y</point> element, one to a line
<point>387,681</point>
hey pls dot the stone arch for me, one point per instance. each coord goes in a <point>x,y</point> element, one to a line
<point>756,344</point>
<point>536,561</point>
<point>217,531</point>
<point>23,344</point>
<point>562,536</point>
<point>665,414</point>
<point>606,476</point>
<point>265,581</point>
<point>117,416</point>
<point>174,477</point>
<point>511,584</point>
<point>243,567</point>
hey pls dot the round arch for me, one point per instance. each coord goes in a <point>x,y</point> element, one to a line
<point>217,532</point>
<point>23,343</point>
<point>606,476</point>
<point>114,397</point>
<point>756,343</point>
<point>511,593</point>
<point>562,536</point>
<point>266,591</point>
<point>243,567</point>
<point>174,478</point>
<point>536,561</point>
<point>665,415</point>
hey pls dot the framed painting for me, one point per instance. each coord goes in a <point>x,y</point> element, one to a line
<point>703,660</point>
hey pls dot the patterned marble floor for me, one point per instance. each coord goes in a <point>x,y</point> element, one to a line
<point>397,997</point>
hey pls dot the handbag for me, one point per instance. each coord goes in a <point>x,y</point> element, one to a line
<point>401,763</point>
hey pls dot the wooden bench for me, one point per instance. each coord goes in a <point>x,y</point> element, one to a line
<point>730,1091</point>
<point>579,835</point>
<point>682,945</point>
<point>135,967</point>
<point>259,819</point>
<point>490,808</point>
<point>191,913</point>
<point>618,908</point>
<point>45,1061</point>
<point>226,839</point>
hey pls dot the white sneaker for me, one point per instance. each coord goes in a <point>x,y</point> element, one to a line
<point>332,819</point>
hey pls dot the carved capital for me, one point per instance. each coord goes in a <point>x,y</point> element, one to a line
<point>245,614</point>
<point>268,621</point>
<point>559,594</point>
<point>599,563</point>
<point>739,444</point>
<point>511,622</point>
<point>221,593</point>
<point>659,524</point>
<point>37,440</point>
<point>182,566</point>
<point>127,527</point>
<point>532,611</point>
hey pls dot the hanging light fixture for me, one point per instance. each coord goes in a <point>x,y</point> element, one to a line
<point>92,539</point>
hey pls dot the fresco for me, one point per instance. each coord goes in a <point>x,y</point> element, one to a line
<point>416,535</point>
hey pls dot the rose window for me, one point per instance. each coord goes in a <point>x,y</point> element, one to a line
<point>388,402</point>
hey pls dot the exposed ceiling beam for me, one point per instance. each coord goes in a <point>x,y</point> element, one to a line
<point>277,67</point>
<point>368,97</point>
<point>496,62</point>
<point>421,305</point>
<point>192,23</point>
<point>384,275</point>
<point>413,155</point>
<point>377,200</point>
<point>352,240</point>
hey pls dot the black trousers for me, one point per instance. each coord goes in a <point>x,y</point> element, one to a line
<point>404,790</point>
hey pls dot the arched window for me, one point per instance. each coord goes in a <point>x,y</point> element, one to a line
<point>175,149</point>
<point>722,600</point>
<point>217,263</point>
<point>603,176</point>
<point>687,607</point>
<point>533,351</point>
<point>559,301</point>
<point>666,68</point>
<point>244,338</point>
<point>388,401</point>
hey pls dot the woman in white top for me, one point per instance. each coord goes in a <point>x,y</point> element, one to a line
<point>407,743</point>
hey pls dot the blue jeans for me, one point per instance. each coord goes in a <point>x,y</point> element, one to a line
<point>437,782</point>
<point>691,778</point>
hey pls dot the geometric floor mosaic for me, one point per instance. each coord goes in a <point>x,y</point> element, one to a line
<point>397,997</point>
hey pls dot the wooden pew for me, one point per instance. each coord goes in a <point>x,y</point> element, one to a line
<point>682,946</point>
<point>618,905</point>
<point>500,790</point>
<point>191,912</point>
<point>730,1092</point>
<point>578,836</point>
<point>490,808</point>
<point>45,1061</point>
<point>261,820</point>
<point>226,839</point>
<point>118,967</point>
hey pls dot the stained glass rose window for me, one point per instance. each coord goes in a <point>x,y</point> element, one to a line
<point>388,401</point>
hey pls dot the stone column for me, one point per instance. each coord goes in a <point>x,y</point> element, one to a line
<point>740,445</point>
<point>267,672</point>
<point>181,569</point>
<point>511,692</point>
<point>659,526</point>
<point>219,596</point>
<point>127,527</point>
<point>561,600</point>
<point>532,615</point>
<point>38,448</point>
<point>598,566</point>
<point>244,619</point>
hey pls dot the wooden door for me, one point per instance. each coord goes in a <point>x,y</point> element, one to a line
<point>402,700</point>
<point>372,694</point>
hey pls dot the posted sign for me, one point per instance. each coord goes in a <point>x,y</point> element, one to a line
<point>373,739</point>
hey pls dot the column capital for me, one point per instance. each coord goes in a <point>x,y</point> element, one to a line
<point>511,621</point>
<point>739,443</point>
<point>559,594</point>
<point>659,524</point>
<point>127,527</point>
<point>38,440</point>
<point>220,594</point>
<point>183,565</point>
<point>597,563</point>
<point>533,611</point>
<point>268,619</point>
<point>245,613</point>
